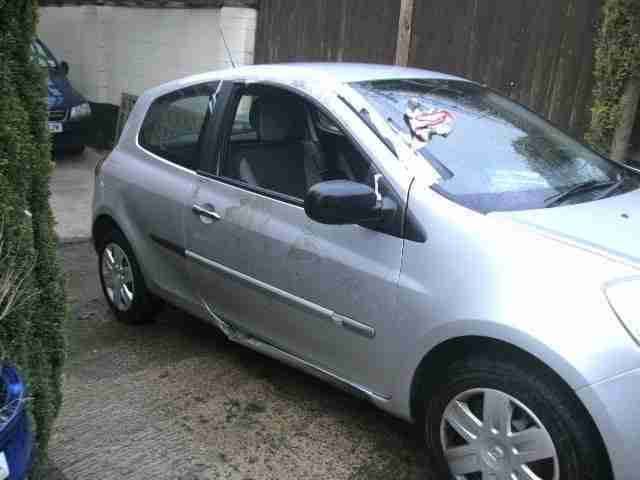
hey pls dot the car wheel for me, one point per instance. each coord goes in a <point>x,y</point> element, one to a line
<point>122,281</point>
<point>493,419</point>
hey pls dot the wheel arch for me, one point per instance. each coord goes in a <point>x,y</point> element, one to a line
<point>101,225</point>
<point>454,348</point>
<point>104,222</point>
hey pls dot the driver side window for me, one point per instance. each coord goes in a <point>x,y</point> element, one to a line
<point>280,144</point>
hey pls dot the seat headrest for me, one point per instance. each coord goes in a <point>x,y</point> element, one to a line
<point>278,118</point>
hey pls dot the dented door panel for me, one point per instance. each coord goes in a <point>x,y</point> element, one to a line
<point>324,293</point>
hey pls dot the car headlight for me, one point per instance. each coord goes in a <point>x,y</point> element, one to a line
<point>623,297</point>
<point>80,111</point>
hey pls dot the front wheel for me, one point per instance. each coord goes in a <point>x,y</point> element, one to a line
<point>494,419</point>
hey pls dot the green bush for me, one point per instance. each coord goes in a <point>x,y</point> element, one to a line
<point>617,58</point>
<point>31,335</point>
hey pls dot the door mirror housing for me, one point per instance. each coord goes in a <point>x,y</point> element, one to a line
<point>342,202</point>
<point>64,68</point>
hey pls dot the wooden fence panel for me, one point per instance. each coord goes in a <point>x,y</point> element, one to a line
<point>539,52</point>
<point>327,30</point>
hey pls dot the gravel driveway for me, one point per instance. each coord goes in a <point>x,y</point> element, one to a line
<point>175,400</point>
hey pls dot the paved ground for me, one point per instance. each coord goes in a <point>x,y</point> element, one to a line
<point>71,192</point>
<point>174,400</point>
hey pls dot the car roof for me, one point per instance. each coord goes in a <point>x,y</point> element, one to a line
<point>287,73</point>
<point>341,72</point>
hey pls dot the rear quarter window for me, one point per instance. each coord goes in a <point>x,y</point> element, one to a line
<point>173,125</point>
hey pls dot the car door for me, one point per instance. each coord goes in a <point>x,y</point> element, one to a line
<point>324,293</point>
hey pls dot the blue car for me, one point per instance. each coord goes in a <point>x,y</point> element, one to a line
<point>16,437</point>
<point>69,111</point>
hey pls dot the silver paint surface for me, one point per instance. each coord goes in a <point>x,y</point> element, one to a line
<point>532,279</point>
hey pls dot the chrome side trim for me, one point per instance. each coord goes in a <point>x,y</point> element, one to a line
<point>274,291</point>
<point>291,299</point>
<point>172,247</point>
<point>355,327</point>
<point>273,351</point>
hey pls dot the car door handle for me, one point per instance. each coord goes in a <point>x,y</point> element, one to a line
<point>206,212</point>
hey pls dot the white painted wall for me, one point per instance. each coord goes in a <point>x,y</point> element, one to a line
<point>120,49</point>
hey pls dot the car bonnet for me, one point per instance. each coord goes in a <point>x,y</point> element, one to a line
<point>610,226</point>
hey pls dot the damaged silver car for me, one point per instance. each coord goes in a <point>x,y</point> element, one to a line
<point>412,237</point>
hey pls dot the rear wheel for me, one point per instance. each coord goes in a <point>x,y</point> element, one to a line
<point>122,281</point>
<point>495,419</point>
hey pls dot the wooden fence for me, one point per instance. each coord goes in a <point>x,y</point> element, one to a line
<point>322,30</point>
<point>540,52</point>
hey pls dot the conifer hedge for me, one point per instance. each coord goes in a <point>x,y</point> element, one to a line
<point>617,61</point>
<point>31,335</point>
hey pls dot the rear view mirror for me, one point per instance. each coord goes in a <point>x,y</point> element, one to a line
<point>64,68</point>
<point>342,202</point>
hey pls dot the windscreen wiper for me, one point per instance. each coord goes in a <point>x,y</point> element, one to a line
<point>579,188</point>
<point>612,189</point>
<point>366,118</point>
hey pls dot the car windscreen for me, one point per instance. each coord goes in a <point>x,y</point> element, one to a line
<point>493,154</point>
<point>42,55</point>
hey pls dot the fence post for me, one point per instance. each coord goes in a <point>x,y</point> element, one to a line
<point>405,27</point>
<point>629,106</point>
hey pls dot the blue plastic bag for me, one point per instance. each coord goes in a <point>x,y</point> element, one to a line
<point>16,437</point>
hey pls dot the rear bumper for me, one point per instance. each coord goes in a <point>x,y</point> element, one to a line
<point>615,407</point>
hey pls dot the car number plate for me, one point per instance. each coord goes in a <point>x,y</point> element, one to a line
<point>4,467</point>
<point>55,127</point>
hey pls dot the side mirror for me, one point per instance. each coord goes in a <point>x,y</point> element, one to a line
<point>64,67</point>
<point>342,202</point>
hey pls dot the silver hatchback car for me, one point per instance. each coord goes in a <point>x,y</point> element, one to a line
<point>412,237</point>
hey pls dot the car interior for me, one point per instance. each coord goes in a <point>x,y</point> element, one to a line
<point>280,142</point>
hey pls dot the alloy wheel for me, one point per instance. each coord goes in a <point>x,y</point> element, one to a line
<point>117,276</point>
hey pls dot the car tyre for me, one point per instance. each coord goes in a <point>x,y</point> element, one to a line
<point>467,436</point>
<point>122,282</point>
